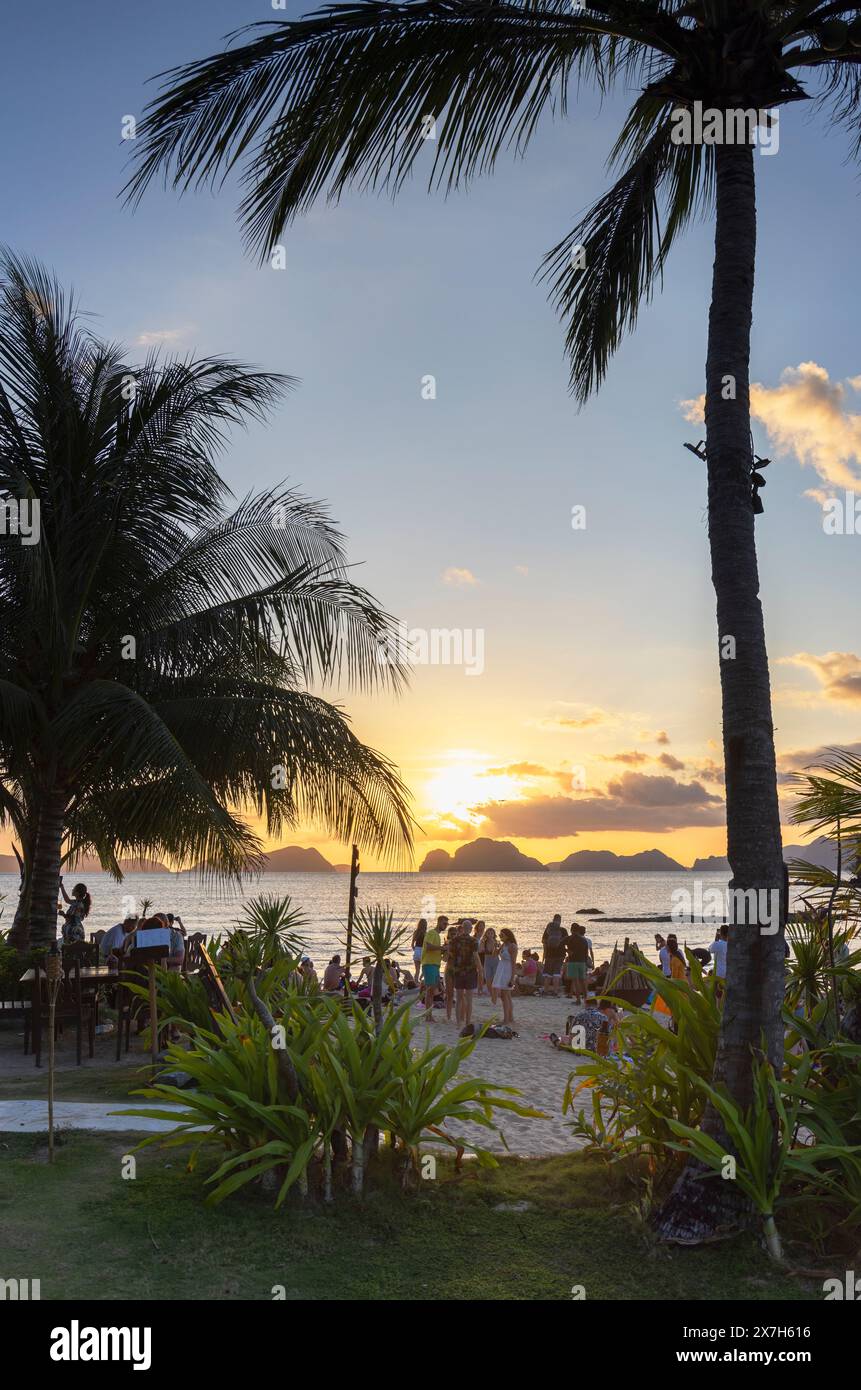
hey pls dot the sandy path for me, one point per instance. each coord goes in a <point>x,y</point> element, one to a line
<point>528,1062</point>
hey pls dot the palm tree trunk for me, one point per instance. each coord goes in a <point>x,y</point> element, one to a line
<point>755,956</point>
<point>19,932</point>
<point>45,876</point>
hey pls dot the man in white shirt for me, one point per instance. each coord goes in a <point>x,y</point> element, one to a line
<point>113,940</point>
<point>663,954</point>
<point>718,950</point>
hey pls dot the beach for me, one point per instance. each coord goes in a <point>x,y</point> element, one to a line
<point>530,1062</point>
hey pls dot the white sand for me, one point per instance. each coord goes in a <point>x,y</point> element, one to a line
<point>530,1062</point>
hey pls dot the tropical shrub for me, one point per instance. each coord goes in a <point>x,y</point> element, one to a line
<point>353,1080</point>
<point>636,1093</point>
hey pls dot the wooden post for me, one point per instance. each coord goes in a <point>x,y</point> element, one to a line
<point>153,1018</point>
<point>53,977</point>
<point>351,912</point>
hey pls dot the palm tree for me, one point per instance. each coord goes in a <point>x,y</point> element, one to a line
<point>346,98</point>
<point>155,651</point>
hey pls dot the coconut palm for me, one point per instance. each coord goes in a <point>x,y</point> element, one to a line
<point>345,98</point>
<point>155,650</point>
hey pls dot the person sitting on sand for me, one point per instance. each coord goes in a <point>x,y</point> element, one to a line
<point>309,975</point>
<point>527,974</point>
<point>585,1025</point>
<point>333,975</point>
<point>678,967</point>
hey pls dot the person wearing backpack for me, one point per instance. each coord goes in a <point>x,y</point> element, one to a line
<point>554,941</point>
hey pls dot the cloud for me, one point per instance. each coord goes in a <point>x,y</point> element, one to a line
<point>636,758</point>
<point>674,764</point>
<point>459,577</point>
<point>839,673</point>
<point>156,336</point>
<point>533,772</point>
<point>634,801</point>
<point>576,716</point>
<point>521,569</point>
<point>808,759</point>
<point>641,789</point>
<point>808,415</point>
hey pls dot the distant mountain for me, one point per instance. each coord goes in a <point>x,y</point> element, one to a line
<point>342,868</point>
<point>88,864</point>
<point>8,864</point>
<point>712,864</point>
<point>822,852</point>
<point>481,856</point>
<point>604,861</point>
<point>290,859</point>
<point>293,859</point>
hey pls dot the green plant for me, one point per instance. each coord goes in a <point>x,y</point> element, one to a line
<point>377,935</point>
<point>352,1080</point>
<point>637,1093</point>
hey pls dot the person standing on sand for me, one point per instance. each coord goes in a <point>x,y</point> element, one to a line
<point>490,948</point>
<point>554,941</point>
<point>478,937</point>
<point>503,978</point>
<point>417,943</point>
<point>576,965</point>
<point>430,963</point>
<point>663,953</point>
<point>464,955</point>
<point>448,972</point>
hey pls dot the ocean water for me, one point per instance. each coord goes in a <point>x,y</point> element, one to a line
<point>631,904</point>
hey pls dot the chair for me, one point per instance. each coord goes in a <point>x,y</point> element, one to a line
<point>75,1004</point>
<point>193,957</point>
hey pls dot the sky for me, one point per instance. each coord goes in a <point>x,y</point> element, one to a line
<point>587,714</point>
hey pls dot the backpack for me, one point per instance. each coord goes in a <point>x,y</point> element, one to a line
<point>500,1030</point>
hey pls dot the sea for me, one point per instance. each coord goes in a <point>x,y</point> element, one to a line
<point>632,905</point>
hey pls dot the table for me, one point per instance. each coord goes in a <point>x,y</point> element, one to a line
<point>95,974</point>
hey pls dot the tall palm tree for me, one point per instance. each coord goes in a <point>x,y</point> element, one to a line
<point>345,98</point>
<point>155,651</point>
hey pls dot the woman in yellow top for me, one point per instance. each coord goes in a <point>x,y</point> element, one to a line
<point>678,969</point>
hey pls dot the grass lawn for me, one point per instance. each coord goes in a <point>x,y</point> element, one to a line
<point>88,1233</point>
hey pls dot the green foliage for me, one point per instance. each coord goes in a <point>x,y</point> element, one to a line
<point>267,933</point>
<point>352,1079</point>
<point>635,1095</point>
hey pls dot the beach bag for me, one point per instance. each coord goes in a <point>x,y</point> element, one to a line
<point>500,1030</point>
<point>468,1031</point>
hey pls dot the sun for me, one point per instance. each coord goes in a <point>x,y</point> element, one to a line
<point>455,790</point>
